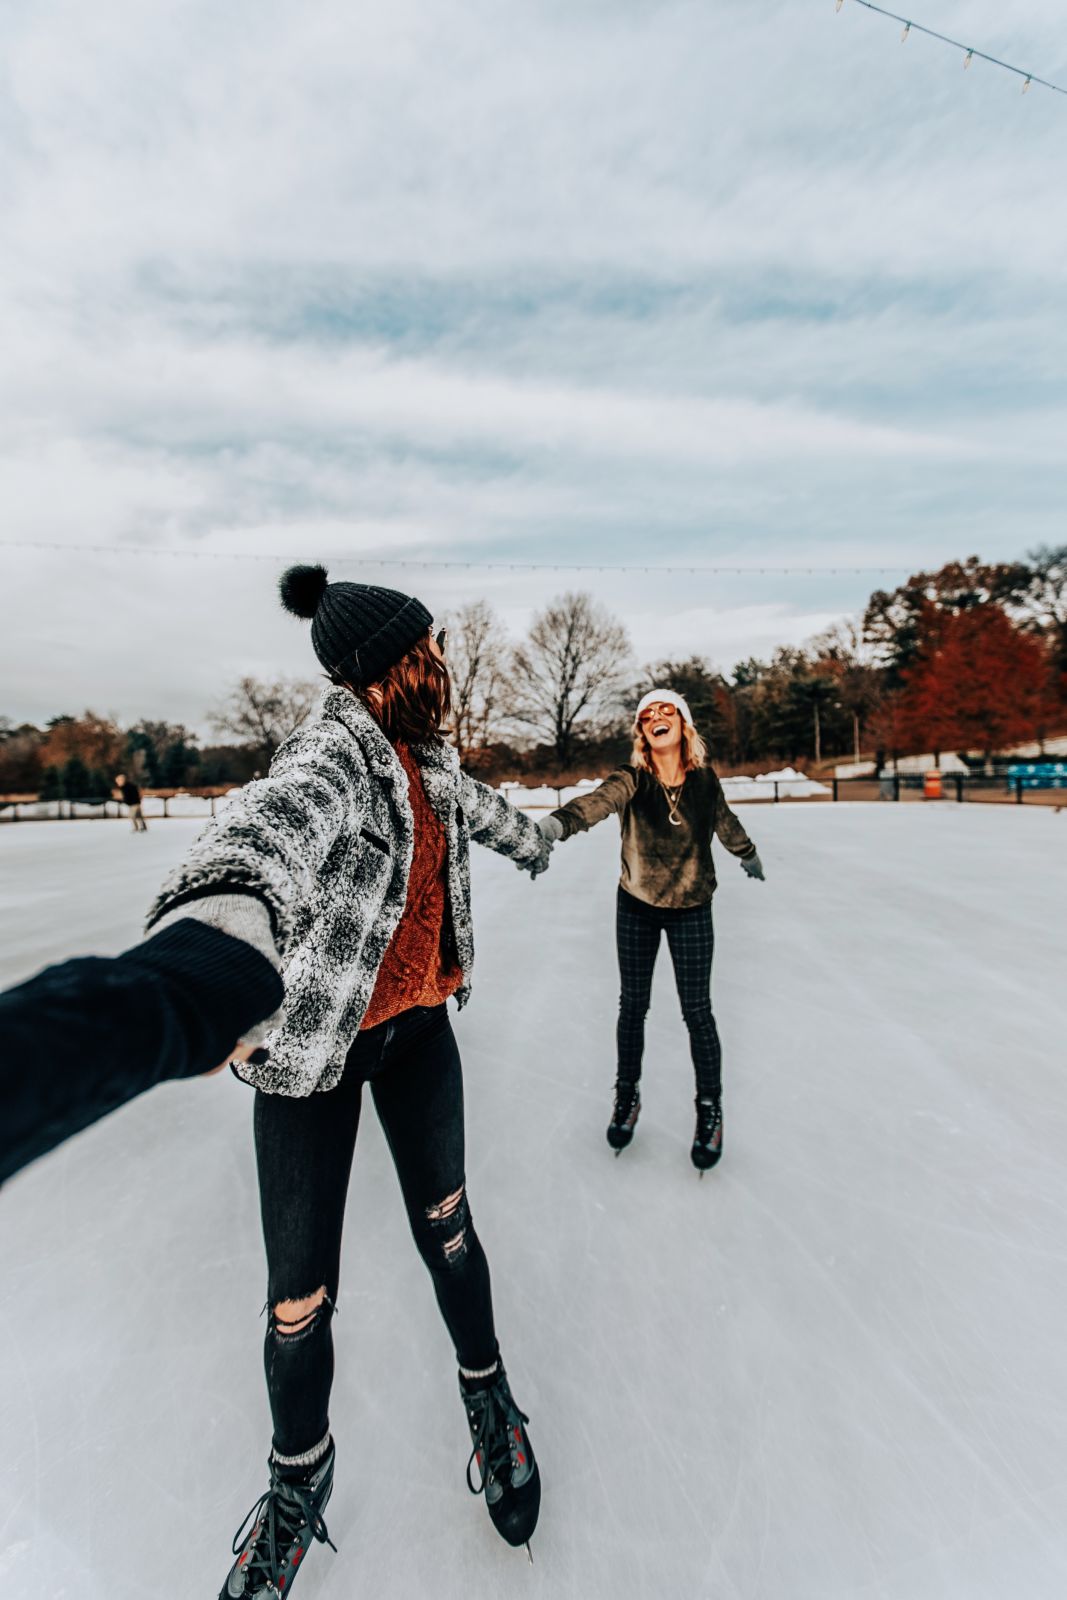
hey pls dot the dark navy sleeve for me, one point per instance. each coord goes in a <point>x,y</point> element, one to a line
<point>86,1036</point>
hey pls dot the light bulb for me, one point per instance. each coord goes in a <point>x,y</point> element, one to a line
<point>904,35</point>
<point>968,58</point>
<point>839,4</point>
<point>1026,86</point>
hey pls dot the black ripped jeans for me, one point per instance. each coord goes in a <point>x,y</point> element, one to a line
<point>304,1150</point>
<point>691,942</point>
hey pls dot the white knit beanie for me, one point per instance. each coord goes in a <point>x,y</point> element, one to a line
<point>656,697</point>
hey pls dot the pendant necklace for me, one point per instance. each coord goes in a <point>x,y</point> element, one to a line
<point>674,794</point>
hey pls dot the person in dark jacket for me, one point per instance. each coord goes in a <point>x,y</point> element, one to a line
<point>670,805</point>
<point>129,794</point>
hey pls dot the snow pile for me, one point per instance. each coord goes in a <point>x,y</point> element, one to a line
<point>545,797</point>
<point>791,784</point>
<point>179,805</point>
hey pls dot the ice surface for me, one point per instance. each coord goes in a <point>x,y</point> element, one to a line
<point>835,1368</point>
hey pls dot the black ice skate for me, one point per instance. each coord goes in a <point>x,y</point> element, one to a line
<point>707,1140</point>
<point>624,1117</point>
<point>502,1456</point>
<point>285,1523</point>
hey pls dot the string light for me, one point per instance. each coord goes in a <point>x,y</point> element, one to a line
<point>969,52</point>
<point>278,559</point>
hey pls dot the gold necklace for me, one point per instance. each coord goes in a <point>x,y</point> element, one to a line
<point>673,792</point>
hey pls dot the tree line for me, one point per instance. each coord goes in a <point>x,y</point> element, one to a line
<point>969,658</point>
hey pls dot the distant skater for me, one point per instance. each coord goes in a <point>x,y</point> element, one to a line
<point>129,794</point>
<point>669,803</point>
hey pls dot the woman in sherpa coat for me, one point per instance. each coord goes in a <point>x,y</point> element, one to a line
<point>670,804</point>
<point>348,867</point>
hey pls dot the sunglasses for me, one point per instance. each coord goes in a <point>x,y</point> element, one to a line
<point>655,713</point>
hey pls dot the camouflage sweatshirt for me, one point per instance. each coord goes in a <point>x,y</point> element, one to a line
<point>662,864</point>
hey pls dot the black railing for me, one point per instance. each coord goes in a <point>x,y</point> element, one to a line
<point>955,787</point>
<point>91,809</point>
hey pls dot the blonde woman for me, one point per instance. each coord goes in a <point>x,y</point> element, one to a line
<point>670,804</point>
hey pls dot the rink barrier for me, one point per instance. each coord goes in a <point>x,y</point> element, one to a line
<point>1021,786</point>
<point>155,808</point>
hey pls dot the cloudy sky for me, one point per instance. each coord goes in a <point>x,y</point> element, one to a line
<point>603,281</point>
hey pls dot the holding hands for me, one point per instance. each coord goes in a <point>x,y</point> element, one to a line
<point>551,829</point>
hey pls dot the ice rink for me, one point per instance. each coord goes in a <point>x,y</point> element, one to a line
<point>836,1368</point>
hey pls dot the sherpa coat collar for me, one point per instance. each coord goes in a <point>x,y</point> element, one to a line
<point>326,840</point>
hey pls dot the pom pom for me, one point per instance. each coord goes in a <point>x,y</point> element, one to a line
<point>301,589</point>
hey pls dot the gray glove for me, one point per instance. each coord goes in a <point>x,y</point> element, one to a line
<point>753,866</point>
<point>541,864</point>
<point>551,827</point>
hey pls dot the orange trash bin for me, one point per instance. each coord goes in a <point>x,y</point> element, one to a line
<point>932,785</point>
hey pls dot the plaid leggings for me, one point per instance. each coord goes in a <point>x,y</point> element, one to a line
<point>691,941</point>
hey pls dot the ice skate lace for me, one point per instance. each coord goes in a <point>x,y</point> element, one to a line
<point>281,1514</point>
<point>491,1451</point>
<point>709,1120</point>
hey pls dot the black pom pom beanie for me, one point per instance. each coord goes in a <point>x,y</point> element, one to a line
<point>358,631</point>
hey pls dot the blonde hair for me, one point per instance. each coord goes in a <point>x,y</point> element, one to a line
<point>694,750</point>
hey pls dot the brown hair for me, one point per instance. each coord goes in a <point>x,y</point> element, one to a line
<point>694,750</point>
<point>416,696</point>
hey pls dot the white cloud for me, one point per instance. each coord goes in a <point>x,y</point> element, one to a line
<point>560,282</point>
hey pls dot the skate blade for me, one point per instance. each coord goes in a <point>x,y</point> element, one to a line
<point>529,1552</point>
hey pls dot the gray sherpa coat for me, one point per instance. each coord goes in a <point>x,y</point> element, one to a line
<point>326,842</point>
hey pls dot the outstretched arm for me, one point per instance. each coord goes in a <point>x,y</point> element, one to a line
<point>607,800</point>
<point>728,828</point>
<point>494,821</point>
<point>86,1036</point>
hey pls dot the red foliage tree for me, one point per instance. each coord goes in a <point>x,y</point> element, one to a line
<point>977,683</point>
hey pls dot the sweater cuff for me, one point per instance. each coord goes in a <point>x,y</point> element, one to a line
<point>569,820</point>
<point>242,916</point>
<point>232,985</point>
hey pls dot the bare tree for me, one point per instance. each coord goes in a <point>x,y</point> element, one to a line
<point>477,664</point>
<point>261,715</point>
<point>570,671</point>
<point>842,654</point>
<point>1045,601</point>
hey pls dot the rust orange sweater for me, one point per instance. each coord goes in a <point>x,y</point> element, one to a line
<point>419,967</point>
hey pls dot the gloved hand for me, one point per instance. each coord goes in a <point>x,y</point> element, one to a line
<point>541,864</point>
<point>753,866</point>
<point>551,827</point>
<point>536,868</point>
